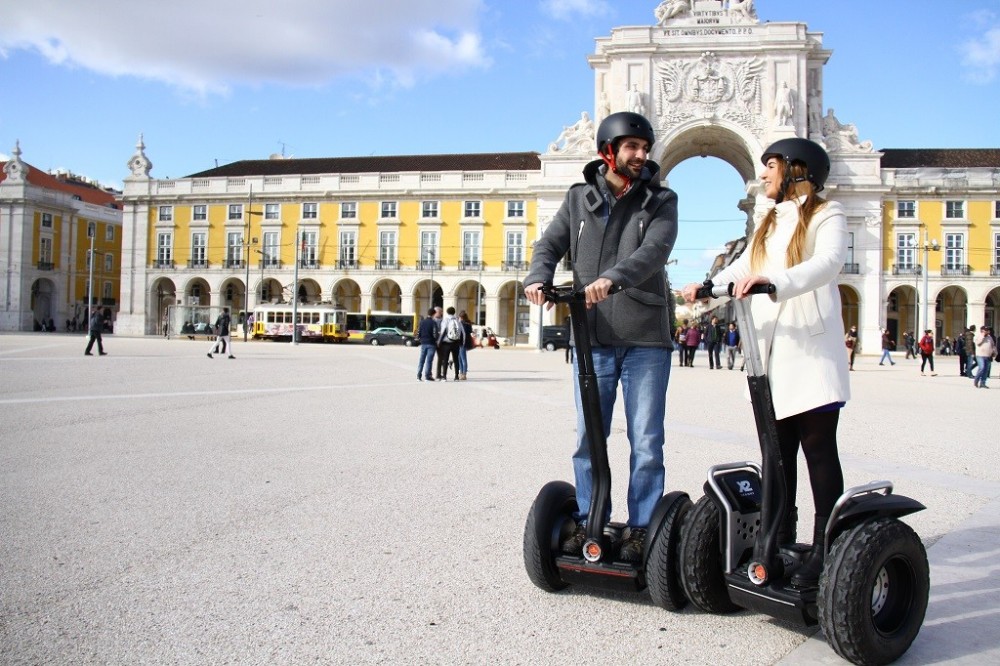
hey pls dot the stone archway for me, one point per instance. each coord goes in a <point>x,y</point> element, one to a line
<point>347,294</point>
<point>849,306</point>
<point>387,296</point>
<point>43,303</point>
<point>427,294</point>
<point>470,296</point>
<point>163,295</point>
<point>952,306</point>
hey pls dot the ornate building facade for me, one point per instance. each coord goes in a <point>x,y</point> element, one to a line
<point>399,233</point>
<point>50,227</point>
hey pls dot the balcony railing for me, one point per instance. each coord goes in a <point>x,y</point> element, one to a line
<point>851,269</point>
<point>45,265</point>
<point>515,265</point>
<point>347,263</point>
<point>308,263</point>
<point>907,269</point>
<point>428,265</point>
<point>163,263</point>
<point>470,265</point>
<point>198,263</point>
<point>233,263</point>
<point>387,265</point>
<point>956,270</point>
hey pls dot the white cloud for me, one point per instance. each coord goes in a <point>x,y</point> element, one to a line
<point>209,46</point>
<point>981,55</point>
<point>567,9</point>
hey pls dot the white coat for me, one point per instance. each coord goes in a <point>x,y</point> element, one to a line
<point>800,329</point>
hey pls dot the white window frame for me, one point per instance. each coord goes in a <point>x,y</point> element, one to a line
<point>91,229</point>
<point>109,233</point>
<point>199,248</point>
<point>515,208</point>
<point>388,210</point>
<point>348,210</point>
<point>906,209</point>
<point>906,250</point>
<point>514,248</point>
<point>310,248</point>
<point>234,248</point>
<point>310,211</point>
<point>472,247</point>
<point>199,212</point>
<point>109,262</point>
<point>430,210</point>
<point>235,212</point>
<point>429,254</point>
<point>45,249</point>
<point>954,251</point>
<point>271,249</point>
<point>165,214</point>
<point>348,252</point>
<point>272,211</point>
<point>164,247</point>
<point>472,208</point>
<point>387,239</point>
<point>46,220</point>
<point>954,209</point>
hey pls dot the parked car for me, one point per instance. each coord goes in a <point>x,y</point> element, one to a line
<point>555,337</point>
<point>389,335</point>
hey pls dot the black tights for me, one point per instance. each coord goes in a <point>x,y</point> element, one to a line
<point>817,434</point>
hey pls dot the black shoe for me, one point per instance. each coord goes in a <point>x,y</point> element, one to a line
<point>420,377</point>
<point>631,550</point>
<point>573,545</point>
<point>210,355</point>
<point>87,354</point>
<point>808,574</point>
<point>430,379</point>
<point>231,356</point>
<point>102,353</point>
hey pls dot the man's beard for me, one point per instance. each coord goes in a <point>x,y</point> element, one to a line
<point>626,170</point>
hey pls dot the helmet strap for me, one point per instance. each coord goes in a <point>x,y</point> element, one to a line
<point>608,156</point>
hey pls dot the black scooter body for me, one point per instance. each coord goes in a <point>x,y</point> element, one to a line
<point>550,520</point>
<point>872,594</point>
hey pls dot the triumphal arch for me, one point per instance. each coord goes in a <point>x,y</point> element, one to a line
<point>717,82</point>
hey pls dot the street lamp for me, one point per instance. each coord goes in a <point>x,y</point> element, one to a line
<point>928,246</point>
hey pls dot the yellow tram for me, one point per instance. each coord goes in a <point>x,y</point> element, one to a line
<point>315,322</point>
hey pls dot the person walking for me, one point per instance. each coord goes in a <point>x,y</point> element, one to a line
<point>800,247</point>
<point>851,342</point>
<point>926,345</point>
<point>619,227</point>
<point>427,335</point>
<point>223,338</point>
<point>886,348</point>
<point>692,338</point>
<point>969,341</point>
<point>713,343</point>
<point>960,351</point>
<point>467,343</point>
<point>451,336</point>
<point>732,344</point>
<point>909,341</point>
<point>986,349</point>
<point>96,325</point>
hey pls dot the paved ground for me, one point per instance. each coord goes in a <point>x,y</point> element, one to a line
<point>317,504</point>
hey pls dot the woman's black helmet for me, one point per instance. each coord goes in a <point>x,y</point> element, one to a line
<point>622,124</point>
<point>809,153</point>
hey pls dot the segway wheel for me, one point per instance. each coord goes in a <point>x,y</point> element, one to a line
<point>663,553</point>
<point>873,591</point>
<point>702,576</point>
<point>550,515</point>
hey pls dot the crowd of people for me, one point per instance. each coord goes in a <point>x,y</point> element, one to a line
<point>448,337</point>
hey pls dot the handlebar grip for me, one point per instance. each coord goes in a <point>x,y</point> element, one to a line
<point>710,290</point>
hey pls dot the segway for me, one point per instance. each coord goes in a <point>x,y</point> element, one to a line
<point>550,520</point>
<point>872,593</point>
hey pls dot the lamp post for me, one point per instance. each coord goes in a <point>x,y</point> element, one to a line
<point>430,290</point>
<point>295,289</point>
<point>246,260</point>
<point>928,246</point>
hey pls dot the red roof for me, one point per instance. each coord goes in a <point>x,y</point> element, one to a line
<point>85,192</point>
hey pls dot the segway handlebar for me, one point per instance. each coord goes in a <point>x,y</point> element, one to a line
<point>568,293</point>
<point>710,290</point>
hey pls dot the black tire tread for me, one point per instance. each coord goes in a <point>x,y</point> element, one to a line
<point>845,590</point>
<point>702,578</point>
<point>663,560</point>
<point>555,500</point>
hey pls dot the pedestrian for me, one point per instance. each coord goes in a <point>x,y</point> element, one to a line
<point>969,340</point>
<point>927,352</point>
<point>909,342</point>
<point>451,336</point>
<point>571,340</point>
<point>619,226</point>
<point>960,351</point>
<point>427,335</point>
<point>679,336</point>
<point>223,339</point>
<point>886,348</point>
<point>96,325</point>
<point>692,338</point>
<point>851,341</point>
<point>732,344</point>
<point>986,349</point>
<point>713,343</point>
<point>467,344</point>
<point>799,247</point>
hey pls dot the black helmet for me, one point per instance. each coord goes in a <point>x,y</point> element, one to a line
<point>809,153</point>
<point>622,124</point>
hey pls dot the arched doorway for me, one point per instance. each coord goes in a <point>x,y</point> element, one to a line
<point>952,312</point>
<point>309,291</point>
<point>427,294</point>
<point>849,306</point>
<point>163,295</point>
<point>513,319</point>
<point>901,312</point>
<point>471,297</point>
<point>270,291</point>
<point>347,294</point>
<point>43,301</point>
<point>387,296</point>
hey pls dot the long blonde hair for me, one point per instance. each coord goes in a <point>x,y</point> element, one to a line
<point>807,208</point>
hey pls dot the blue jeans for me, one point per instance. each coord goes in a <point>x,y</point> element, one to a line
<point>643,373</point>
<point>463,359</point>
<point>984,370</point>
<point>885,355</point>
<point>426,359</point>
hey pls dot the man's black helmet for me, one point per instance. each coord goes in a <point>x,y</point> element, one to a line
<point>809,153</point>
<point>623,124</point>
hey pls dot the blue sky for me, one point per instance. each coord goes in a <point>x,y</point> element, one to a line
<point>215,81</point>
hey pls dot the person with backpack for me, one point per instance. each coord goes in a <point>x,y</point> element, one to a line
<point>451,338</point>
<point>222,325</point>
<point>427,335</point>
<point>926,345</point>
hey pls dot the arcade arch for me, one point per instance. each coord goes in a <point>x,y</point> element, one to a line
<point>347,294</point>
<point>43,300</point>
<point>387,296</point>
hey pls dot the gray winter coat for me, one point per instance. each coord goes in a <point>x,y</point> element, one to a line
<point>627,241</point>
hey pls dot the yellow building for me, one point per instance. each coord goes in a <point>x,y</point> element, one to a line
<point>367,233</point>
<point>49,224</point>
